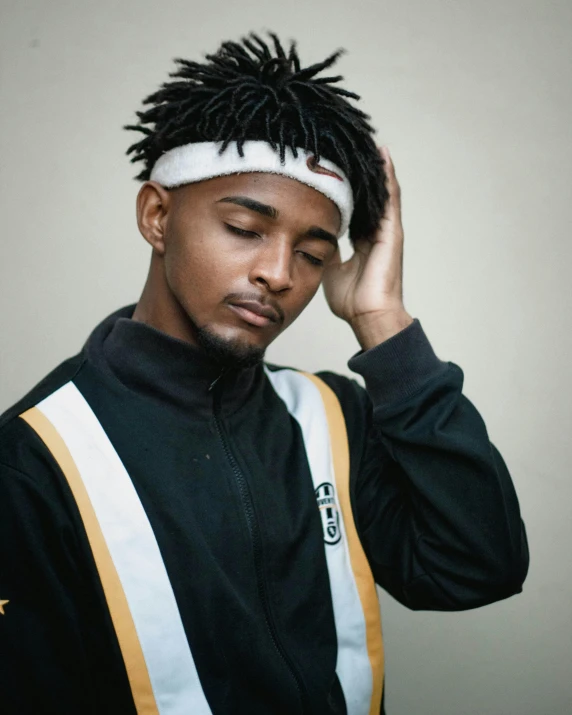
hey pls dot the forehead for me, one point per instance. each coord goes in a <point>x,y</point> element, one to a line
<point>290,197</point>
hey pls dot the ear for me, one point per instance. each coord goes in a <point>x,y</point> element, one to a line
<point>153,202</point>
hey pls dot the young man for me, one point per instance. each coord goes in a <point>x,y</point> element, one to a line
<point>185,529</point>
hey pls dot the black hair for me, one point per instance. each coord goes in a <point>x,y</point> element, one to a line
<point>246,91</point>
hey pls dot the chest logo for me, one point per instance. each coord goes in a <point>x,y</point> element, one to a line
<point>326,498</point>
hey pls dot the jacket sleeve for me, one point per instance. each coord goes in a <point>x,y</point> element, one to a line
<point>434,503</point>
<point>46,650</point>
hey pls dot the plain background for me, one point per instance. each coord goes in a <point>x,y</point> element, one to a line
<point>474,99</point>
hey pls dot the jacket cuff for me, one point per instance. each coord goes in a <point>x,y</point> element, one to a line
<point>398,367</point>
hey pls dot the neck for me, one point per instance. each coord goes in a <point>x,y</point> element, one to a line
<point>159,308</point>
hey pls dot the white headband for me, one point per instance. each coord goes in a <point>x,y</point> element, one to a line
<point>201,160</point>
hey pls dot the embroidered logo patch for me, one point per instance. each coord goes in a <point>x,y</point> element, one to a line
<point>326,498</point>
<point>313,165</point>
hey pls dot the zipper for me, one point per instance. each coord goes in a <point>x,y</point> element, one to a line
<point>254,531</point>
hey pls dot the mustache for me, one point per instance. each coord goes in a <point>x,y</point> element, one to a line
<point>257,298</point>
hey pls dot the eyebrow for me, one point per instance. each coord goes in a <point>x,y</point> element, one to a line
<point>251,204</point>
<point>273,213</point>
<point>317,232</point>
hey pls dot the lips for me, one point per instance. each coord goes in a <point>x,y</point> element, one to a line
<point>255,313</point>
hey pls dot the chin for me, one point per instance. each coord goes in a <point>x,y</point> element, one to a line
<point>229,351</point>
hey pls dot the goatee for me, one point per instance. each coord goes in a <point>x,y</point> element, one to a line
<point>227,353</point>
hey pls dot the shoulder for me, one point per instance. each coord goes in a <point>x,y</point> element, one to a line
<point>63,373</point>
<point>353,399</point>
<point>347,389</point>
<point>21,450</point>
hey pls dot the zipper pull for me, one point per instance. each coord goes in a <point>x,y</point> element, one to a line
<point>214,382</point>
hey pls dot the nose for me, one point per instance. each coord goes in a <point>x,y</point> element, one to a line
<point>273,266</point>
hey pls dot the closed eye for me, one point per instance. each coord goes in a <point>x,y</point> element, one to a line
<point>247,234</point>
<point>239,231</point>
<point>312,259</point>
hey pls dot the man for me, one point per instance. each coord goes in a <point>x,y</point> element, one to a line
<point>187,529</point>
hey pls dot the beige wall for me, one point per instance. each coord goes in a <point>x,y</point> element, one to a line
<point>474,100</point>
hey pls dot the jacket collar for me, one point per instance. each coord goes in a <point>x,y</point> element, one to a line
<point>163,368</point>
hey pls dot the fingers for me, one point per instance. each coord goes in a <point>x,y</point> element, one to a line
<point>393,208</point>
<point>336,259</point>
<point>363,246</point>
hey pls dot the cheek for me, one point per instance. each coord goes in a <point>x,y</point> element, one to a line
<point>192,266</point>
<point>188,258</point>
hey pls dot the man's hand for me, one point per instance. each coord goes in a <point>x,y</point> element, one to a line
<point>367,290</point>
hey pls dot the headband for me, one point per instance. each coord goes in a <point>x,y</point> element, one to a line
<point>201,160</point>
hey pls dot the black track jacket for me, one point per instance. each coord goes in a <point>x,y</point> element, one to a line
<point>432,498</point>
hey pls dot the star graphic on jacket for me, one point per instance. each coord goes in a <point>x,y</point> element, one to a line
<point>2,604</point>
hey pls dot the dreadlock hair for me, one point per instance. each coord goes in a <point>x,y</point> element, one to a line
<point>247,92</point>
